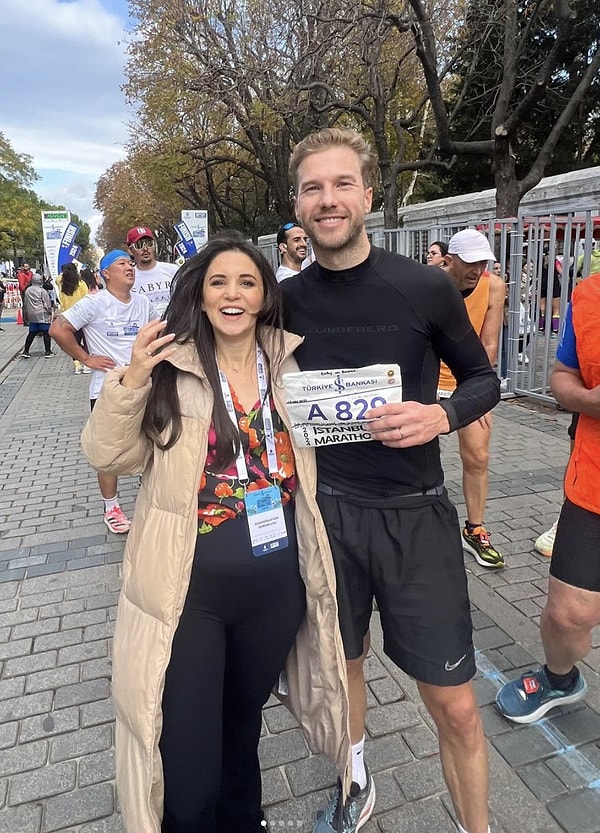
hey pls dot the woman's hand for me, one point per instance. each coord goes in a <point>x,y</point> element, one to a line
<point>149,348</point>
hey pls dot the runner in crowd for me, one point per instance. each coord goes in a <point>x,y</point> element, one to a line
<point>110,322</point>
<point>572,607</point>
<point>152,277</point>
<point>466,262</point>
<point>436,253</point>
<point>393,532</point>
<point>292,244</point>
<point>71,288</point>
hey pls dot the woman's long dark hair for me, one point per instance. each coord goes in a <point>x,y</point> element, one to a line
<point>69,279</point>
<point>190,323</point>
<point>88,277</point>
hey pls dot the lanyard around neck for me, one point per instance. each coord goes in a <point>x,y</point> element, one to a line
<point>261,373</point>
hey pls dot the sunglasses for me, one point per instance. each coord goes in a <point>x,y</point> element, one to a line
<point>144,243</point>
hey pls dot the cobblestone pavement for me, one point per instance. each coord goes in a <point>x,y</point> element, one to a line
<point>59,581</point>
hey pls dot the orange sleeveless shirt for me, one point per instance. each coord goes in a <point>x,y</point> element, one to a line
<point>477,304</point>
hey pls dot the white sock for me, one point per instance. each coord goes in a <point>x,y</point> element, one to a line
<point>461,829</point>
<point>111,503</point>
<point>359,773</point>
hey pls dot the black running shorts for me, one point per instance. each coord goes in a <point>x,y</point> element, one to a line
<point>576,551</point>
<point>407,553</point>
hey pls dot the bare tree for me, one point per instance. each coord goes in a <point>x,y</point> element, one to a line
<point>520,90</point>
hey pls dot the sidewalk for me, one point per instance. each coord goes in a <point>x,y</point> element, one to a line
<point>59,581</point>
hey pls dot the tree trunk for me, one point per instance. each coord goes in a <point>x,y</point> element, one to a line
<point>508,192</point>
<point>390,199</point>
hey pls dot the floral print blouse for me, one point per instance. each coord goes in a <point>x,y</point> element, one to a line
<point>221,496</point>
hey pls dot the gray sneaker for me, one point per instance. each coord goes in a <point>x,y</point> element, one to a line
<point>350,817</point>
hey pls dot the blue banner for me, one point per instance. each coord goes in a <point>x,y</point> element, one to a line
<point>180,249</point>
<point>68,249</point>
<point>186,245</point>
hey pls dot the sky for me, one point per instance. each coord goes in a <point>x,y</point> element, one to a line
<point>61,102</point>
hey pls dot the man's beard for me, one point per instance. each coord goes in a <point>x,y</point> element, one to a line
<point>343,240</point>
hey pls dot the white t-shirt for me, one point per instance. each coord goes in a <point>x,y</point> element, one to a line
<point>110,328</point>
<point>285,272</point>
<point>155,284</point>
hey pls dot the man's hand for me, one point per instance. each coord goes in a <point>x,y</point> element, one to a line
<point>405,424</point>
<point>104,363</point>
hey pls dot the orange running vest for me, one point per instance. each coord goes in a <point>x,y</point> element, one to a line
<point>582,479</point>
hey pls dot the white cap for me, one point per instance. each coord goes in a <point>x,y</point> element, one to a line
<point>471,246</point>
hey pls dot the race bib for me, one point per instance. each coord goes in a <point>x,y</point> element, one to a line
<point>328,407</point>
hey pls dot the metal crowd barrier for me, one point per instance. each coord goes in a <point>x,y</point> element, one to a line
<point>559,245</point>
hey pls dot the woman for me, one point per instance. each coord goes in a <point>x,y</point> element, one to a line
<point>90,277</point>
<point>71,288</point>
<point>206,618</point>
<point>436,253</point>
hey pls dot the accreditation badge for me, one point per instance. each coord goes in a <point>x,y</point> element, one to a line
<point>266,521</point>
<point>328,407</point>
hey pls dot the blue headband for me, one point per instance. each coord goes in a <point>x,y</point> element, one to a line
<point>110,257</point>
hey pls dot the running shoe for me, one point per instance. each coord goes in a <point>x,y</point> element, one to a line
<point>530,696</point>
<point>49,355</point>
<point>354,814</point>
<point>77,371</point>
<point>86,369</point>
<point>545,543</point>
<point>25,356</point>
<point>117,521</point>
<point>478,544</point>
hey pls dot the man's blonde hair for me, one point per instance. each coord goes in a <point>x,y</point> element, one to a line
<point>335,137</point>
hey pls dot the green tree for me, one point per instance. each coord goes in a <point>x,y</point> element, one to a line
<point>21,207</point>
<point>16,200</point>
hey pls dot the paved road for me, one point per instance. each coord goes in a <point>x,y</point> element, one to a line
<point>59,581</point>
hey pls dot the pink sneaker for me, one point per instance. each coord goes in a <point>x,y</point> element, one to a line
<point>117,521</point>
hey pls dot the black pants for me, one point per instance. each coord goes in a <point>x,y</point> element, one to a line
<point>32,335</point>
<point>238,624</point>
<point>24,309</point>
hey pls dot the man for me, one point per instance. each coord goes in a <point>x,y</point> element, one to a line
<point>483,294</point>
<point>24,277</point>
<point>393,532</point>
<point>38,307</point>
<point>110,322</point>
<point>292,243</point>
<point>572,608</point>
<point>152,277</point>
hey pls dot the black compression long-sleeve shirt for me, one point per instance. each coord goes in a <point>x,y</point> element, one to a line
<point>389,309</point>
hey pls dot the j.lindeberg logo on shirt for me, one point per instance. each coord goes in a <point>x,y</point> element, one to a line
<point>370,328</point>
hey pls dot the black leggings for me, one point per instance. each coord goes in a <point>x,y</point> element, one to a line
<point>30,337</point>
<point>238,624</point>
